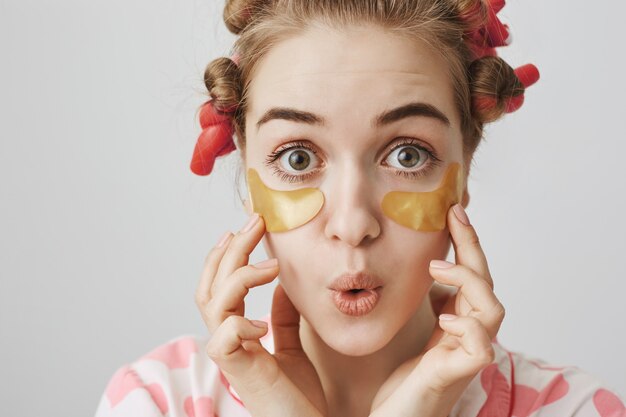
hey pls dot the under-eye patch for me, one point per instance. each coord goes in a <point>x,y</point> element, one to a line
<point>283,210</point>
<point>422,211</point>
<point>426,211</point>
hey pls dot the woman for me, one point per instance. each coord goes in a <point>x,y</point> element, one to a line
<point>357,122</point>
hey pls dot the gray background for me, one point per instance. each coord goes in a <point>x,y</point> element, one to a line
<point>104,228</point>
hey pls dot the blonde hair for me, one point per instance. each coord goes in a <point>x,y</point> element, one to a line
<point>441,24</point>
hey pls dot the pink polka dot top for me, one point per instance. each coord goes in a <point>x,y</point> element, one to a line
<point>177,379</point>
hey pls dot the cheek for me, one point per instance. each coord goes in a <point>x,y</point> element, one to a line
<point>299,267</point>
<point>296,254</point>
<point>412,252</point>
<point>286,245</point>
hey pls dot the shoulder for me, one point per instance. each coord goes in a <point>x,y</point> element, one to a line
<point>560,390</point>
<point>518,385</point>
<point>175,378</point>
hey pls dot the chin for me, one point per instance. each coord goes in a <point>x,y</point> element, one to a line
<point>356,339</point>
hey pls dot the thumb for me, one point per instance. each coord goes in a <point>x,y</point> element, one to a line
<point>226,349</point>
<point>285,322</point>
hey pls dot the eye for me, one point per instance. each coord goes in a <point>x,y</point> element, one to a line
<point>407,157</point>
<point>408,153</point>
<point>298,160</point>
<point>294,157</point>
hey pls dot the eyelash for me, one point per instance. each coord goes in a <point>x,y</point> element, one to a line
<point>270,161</point>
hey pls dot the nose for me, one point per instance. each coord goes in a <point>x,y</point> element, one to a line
<point>351,210</point>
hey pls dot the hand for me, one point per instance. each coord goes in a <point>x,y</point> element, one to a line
<point>282,384</point>
<point>431,383</point>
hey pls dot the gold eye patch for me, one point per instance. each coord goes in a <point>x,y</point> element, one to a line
<point>283,210</point>
<point>422,211</point>
<point>425,211</point>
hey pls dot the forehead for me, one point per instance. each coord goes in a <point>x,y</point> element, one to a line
<point>348,74</point>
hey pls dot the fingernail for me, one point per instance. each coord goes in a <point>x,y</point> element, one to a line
<point>447,317</point>
<point>436,263</point>
<point>259,323</point>
<point>268,263</point>
<point>461,214</point>
<point>251,222</point>
<point>223,239</point>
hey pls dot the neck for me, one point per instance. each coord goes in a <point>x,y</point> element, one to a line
<point>352,381</point>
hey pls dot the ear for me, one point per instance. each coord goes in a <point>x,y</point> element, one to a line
<point>466,197</point>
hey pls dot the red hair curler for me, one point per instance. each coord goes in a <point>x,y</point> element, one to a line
<point>216,138</point>
<point>484,40</point>
<point>494,33</point>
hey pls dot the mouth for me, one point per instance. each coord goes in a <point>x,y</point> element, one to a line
<point>357,301</point>
<point>355,282</point>
<point>356,293</point>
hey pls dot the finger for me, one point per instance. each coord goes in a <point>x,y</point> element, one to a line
<point>474,342</point>
<point>475,289</point>
<point>477,293</point>
<point>458,304</point>
<point>239,250</point>
<point>285,323</point>
<point>229,299</point>
<point>467,248</point>
<point>225,346</point>
<point>211,262</point>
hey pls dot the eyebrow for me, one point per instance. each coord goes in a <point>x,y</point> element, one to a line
<point>385,118</point>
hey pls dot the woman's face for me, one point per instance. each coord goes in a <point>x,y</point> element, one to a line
<point>347,80</point>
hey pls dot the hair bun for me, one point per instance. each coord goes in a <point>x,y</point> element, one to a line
<point>221,78</point>
<point>239,13</point>
<point>497,88</point>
